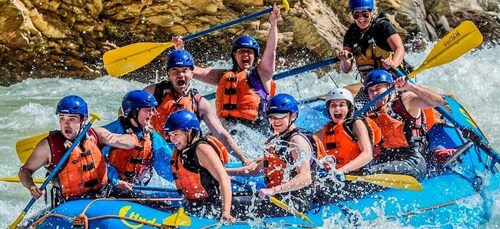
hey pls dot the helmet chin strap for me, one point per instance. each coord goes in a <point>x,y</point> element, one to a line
<point>135,117</point>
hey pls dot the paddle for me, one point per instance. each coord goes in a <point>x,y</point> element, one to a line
<point>396,181</point>
<point>178,219</point>
<point>58,167</point>
<point>470,134</point>
<point>25,147</point>
<point>295,71</point>
<point>278,203</point>
<point>153,188</point>
<point>16,179</point>
<point>131,57</point>
<point>457,42</point>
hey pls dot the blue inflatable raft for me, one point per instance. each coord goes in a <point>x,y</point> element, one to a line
<point>459,196</point>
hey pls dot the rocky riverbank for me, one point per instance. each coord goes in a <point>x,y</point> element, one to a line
<point>67,38</point>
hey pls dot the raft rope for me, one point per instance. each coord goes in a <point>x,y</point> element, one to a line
<point>259,225</point>
<point>82,220</point>
<point>430,208</point>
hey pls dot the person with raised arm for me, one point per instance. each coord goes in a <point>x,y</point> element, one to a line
<point>401,118</point>
<point>243,91</point>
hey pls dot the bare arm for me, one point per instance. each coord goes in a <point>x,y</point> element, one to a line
<point>364,145</point>
<point>207,113</point>
<point>303,177</point>
<point>248,170</point>
<point>208,159</point>
<point>399,51</point>
<point>206,75</point>
<point>123,141</point>
<point>39,158</point>
<point>267,66</point>
<point>417,97</point>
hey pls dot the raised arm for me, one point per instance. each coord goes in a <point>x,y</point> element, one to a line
<point>267,66</point>
<point>417,97</point>
<point>207,113</point>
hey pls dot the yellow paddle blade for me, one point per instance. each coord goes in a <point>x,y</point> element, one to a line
<point>390,181</point>
<point>128,58</point>
<point>25,147</point>
<point>16,179</point>
<point>287,208</point>
<point>457,42</point>
<point>179,219</point>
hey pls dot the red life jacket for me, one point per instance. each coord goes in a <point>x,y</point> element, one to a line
<point>84,171</point>
<point>191,179</point>
<point>398,127</point>
<point>235,98</point>
<point>341,142</point>
<point>132,164</point>
<point>169,102</point>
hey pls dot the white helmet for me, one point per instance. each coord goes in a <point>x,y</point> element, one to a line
<point>340,93</point>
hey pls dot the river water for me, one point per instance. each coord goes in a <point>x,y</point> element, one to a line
<point>27,108</point>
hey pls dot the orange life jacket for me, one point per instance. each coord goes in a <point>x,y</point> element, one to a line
<point>84,171</point>
<point>398,127</point>
<point>132,164</point>
<point>341,142</point>
<point>169,102</point>
<point>276,161</point>
<point>236,98</point>
<point>429,118</point>
<point>191,179</point>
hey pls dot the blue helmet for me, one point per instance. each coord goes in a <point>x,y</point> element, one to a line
<point>361,5</point>
<point>182,120</point>
<point>246,42</point>
<point>283,103</point>
<point>137,99</point>
<point>180,58</point>
<point>72,104</point>
<point>378,76</point>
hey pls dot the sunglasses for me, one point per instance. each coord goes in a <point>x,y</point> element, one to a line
<point>365,14</point>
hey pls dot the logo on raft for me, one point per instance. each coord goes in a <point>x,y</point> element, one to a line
<point>125,217</point>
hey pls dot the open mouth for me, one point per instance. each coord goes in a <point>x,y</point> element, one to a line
<point>68,131</point>
<point>337,116</point>
<point>181,83</point>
